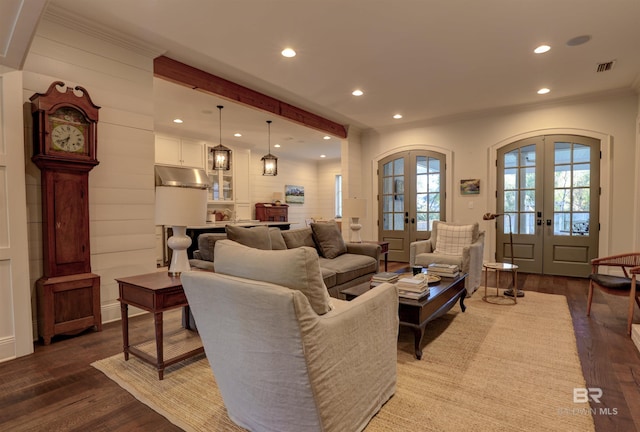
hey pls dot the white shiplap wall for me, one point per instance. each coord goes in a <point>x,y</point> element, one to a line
<point>119,78</point>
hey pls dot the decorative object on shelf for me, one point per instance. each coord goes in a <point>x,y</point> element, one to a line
<point>277,198</point>
<point>65,143</point>
<point>294,194</point>
<point>180,207</point>
<point>470,187</point>
<point>492,216</point>
<point>355,208</point>
<point>269,161</point>
<point>221,154</point>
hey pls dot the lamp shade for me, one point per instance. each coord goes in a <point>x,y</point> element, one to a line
<point>180,206</point>
<point>355,207</point>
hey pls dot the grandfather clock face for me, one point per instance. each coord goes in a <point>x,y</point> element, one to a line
<point>69,131</point>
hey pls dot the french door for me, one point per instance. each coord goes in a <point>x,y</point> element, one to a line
<point>411,196</point>
<point>548,188</point>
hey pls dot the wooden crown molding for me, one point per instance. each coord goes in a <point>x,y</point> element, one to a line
<point>183,74</point>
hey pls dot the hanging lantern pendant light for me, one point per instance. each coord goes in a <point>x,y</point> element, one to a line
<point>269,161</point>
<point>221,154</point>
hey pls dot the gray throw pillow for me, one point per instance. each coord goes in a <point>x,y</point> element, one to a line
<point>328,239</point>
<point>277,241</point>
<point>298,237</point>
<point>256,237</point>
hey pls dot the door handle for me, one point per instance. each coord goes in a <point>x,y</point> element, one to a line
<point>539,222</point>
<point>548,222</point>
<point>406,220</point>
<point>413,220</point>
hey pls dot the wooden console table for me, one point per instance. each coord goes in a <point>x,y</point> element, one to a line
<point>384,250</point>
<point>156,292</point>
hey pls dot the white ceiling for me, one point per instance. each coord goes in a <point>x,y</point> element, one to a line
<point>425,59</point>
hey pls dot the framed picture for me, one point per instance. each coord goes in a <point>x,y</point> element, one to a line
<point>294,194</point>
<point>470,187</point>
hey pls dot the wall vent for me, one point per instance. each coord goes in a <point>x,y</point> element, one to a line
<point>603,67</point>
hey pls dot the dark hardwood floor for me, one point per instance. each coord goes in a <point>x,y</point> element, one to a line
<point>56,389</point>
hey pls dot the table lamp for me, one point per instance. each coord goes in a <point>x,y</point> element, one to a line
<point>355,208</point>
<point>492,216</point>
<point>180,207</point>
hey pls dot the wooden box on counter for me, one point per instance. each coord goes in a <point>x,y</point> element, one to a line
<point>266,212</point>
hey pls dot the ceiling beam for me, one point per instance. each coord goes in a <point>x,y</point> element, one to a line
<point>180,73</point>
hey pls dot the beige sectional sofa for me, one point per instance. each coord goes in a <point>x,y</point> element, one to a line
<point>342,264</point>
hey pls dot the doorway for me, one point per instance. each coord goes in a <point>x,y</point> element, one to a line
<point>548,187</point>
<point>411,196</point>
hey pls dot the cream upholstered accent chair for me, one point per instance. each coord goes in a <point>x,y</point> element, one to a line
<point>452,243</point>
<point>286,356</point>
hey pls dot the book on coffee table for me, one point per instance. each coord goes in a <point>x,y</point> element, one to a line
<point>413,295</point>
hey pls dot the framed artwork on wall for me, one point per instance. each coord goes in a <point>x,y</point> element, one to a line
<point>294,194</point>
<point>470,187</point>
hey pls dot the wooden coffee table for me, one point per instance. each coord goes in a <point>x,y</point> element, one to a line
<point>417,313</point>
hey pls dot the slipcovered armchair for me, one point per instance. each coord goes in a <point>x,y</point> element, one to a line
<point>625,285</point>
<point>285,355</point>
<point>452,244</point>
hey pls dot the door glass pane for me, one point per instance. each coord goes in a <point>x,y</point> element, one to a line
<point>510,178</point>
<point>510,201</point>
<point>511,159</point>
<point>519,182</point>
<point>427,195</point>
<point>572,196</point>
<point>393,194</point>
<point>528,156</point>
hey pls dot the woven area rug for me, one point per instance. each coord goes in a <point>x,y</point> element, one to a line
<point>492,368</point>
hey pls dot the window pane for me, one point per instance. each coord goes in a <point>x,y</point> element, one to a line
<point>398,203</point>
<point>421,165</point>
<point>562,176</point>
<point>387,169</point>
<point>528,156</point>
<point>580,224</point>
<point>582,175</point>
<point>528,198</point>
<point>387,185</point>
<point>434,182</point>
<point>562,200</point>
<point>510,179</point>
<point>562,153</point>
<point>398,167</point>
<point>398,223</point>
<point>422,183</point>
<point>387,203</point>
<point>434,202</point>
<point>581,199</point>
<point>422,223</point>
<point>421,202</point>
<point>529,180</point>
<point>561,223</point>
<point>527,223</point>
<point>434,165</point>
<point>511,159</point>
<point>581,153</point>
<point>510,201</point>
<point>386,221</point>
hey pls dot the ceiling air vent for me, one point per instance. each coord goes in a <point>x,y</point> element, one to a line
<point>603,67</point>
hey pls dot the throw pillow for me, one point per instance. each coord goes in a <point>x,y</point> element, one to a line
<point>255,237</point>
<point>328,239</point>
<point>452,239</point>
<point>297,268</point>
<point>277,241</point>
<point>298,237</point>
<point>206,244</point>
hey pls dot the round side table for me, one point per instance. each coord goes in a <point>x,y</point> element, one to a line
<point>498,268</point>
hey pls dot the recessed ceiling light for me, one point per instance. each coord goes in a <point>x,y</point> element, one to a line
<point>277,145</point>
<point>288,52</point>
<point>397,116</point>
<point>327,137</point>
<point>542,49</point>
<point>357,92</point>
<point>578,40</point>
<point>543,91</point>
<point>323,156</point>
<point>237,134</point>
<point>177,121</point>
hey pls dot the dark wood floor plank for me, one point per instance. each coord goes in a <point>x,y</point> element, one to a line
<point>57,389</point>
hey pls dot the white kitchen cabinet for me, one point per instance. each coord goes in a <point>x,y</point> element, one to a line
<point>179,152</point>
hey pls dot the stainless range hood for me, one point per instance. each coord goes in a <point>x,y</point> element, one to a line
<point>181,177</point>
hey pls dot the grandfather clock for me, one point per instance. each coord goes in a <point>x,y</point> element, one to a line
<point>64,124</point>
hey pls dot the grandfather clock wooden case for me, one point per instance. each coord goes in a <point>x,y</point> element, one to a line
<point>65,124</point>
